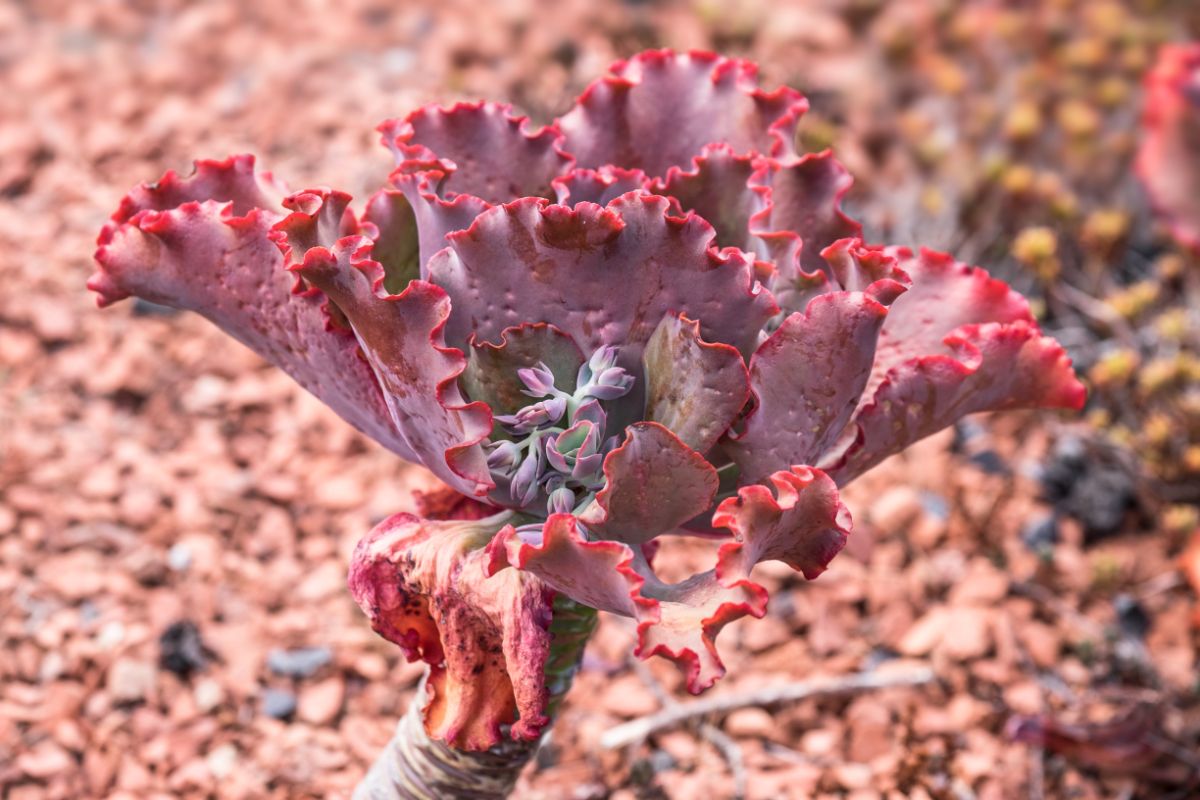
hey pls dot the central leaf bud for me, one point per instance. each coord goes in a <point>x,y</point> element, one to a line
<point>558,443</point>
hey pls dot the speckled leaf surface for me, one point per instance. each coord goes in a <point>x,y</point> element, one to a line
<point>604,276</point>
<point>653,484</point>
<point>807,379</point>
<point>945,294</point>
<point>402,338</point>
<point>659,109</point>
<point>204,244</point>
<point>491,371</point>
<point>693,387</point>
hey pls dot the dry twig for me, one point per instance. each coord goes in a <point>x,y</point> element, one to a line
<point>670,717</point>
<point>730,750</point>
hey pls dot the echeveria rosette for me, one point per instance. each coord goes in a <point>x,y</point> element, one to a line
<point>1168,160</point>
<point>650,317</point>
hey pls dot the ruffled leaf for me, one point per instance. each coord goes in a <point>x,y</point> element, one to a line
<point>436,216</point>
<point>659,109</point>
<point>945,294</point>
<point>803,216</point>
<point>533,262</point>
<point>805,526</point>
<point>486,639</point>
<point>653,484</point>
<point>484,149</point>
<point>203,244</point>
<point>694,388</point>
<point>491,373</point>
<point>401,336</point>
<point>1168,160</point>
<point>233,181</point>
<point>600,186</point>
<point>807,380</point>
<point>677,621</point>
<point>992,367</point>
<point>453,163</point>
<point>717,187</point>
<point>389,221</point>
<point>319,218</point>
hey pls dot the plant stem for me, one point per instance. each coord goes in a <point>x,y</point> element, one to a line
<point>414,767</point>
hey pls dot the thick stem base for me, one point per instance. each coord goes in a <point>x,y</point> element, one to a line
<point>414,767</point>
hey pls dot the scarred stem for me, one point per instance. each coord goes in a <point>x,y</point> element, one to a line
<point>415,767</point>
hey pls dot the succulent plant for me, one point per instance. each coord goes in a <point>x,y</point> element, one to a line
<point>648,318</point>
<point>1169,158</point>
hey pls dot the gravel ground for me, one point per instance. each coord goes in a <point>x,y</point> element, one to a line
<point>176,517</point>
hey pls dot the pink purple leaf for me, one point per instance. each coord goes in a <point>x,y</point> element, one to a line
<point>401,336</point>
<point>945,294</point>
<point>533,262</point>
<point>653,484</point>
<point>435,215</point>
<point>390,222</point>
<point>804,524</point>
<point>717,187</point>
<point>694,388</point>
<point>659,109</point>
<point>491,372</point>
<point>677,621</point>
<point>990,367</point>
<point>233,181</point>
<point>600,186</point>
<point>803,214</point>
<point>182,243</point>
<point>807,379</point>
<point>484,149</point>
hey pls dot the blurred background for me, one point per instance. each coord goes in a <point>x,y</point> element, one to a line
<point>176,518</point>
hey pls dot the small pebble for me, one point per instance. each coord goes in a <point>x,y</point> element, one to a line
<point>1131,616</point>
<point>181,649</point>
<point>990,462</point>
<point>222,760</point>
<point>129,681</point>
<point>179,557</point>
<point>1041,534</point>
<point>299,663</point>
<point>208,694</point>
<point>278,703</point>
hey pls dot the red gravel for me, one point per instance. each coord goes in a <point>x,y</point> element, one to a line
<point>153,471</point>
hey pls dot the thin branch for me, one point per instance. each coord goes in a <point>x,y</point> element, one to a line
<point>730,750</point>
<point>638,729</point>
